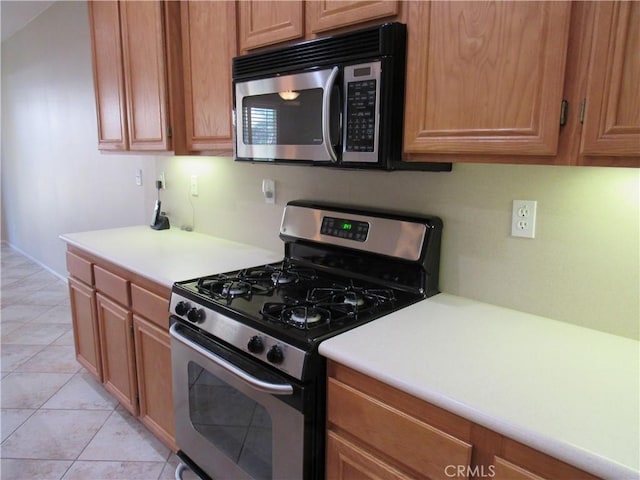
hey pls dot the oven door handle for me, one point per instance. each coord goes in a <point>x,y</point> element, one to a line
<point>255,383</point>
<point>326,114</point>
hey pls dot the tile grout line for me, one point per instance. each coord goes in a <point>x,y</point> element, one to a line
<point>77,374</point>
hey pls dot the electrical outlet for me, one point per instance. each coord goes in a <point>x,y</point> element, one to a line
<point>162,180</point>
<point>139,177</point>
<point>523,218</point>
<point>194,185</point>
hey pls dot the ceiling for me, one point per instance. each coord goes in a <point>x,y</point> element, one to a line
<point>16,14</point>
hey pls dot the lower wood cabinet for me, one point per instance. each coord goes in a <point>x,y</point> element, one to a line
<point>153,359</point>
<point>85,326</point>
<point>346,460</point>
<point>375,431</point>
<point>116,348</point>
<point>121,336</point>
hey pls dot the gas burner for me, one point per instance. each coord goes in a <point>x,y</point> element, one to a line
<point>305,317</point>
<point>235,288</point>
<point>282,274</point>
<point>302,316</point>
<point>351,295</point>
<point>283,278</point>
<point>223,287</point>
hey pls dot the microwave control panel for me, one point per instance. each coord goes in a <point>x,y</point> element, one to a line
<point>362,93</point>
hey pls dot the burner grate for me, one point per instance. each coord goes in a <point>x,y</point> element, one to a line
<point>322,306</point>
<point>281,274</point>
<point>227,287</point>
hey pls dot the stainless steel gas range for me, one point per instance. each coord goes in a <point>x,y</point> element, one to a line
<point>248,382</point>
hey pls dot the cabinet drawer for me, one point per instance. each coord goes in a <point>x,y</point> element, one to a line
<point>151,306</point>
<point>80,268</point>
<point>112,285</point>
<point>406,439</point>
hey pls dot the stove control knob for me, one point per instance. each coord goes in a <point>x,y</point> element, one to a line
<point>196,315</point>
<point>182,308</point>
<point>275,355</point>
<point>255,345</point>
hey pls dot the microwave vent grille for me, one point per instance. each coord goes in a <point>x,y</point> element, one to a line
<point>363,44</point>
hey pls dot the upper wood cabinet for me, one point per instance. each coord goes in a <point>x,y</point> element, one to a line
<point>208,45</point>
<point>263,23</point>
<point>106,46</point>
<point>145,74</point>
<point>612,102</point>
<point>129,65</point>
<point>485,77</point>
<point>328,15</point>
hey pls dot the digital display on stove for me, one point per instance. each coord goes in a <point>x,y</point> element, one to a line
<point>344,228</point>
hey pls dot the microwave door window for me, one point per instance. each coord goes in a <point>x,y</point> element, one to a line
<point>272,120</point>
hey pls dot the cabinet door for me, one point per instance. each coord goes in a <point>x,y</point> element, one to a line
<point>417,445</point>
<point>612,109</point>
<point>265,23</point>
<point>208,45</point>
<point>106,49</point>
<point>346,461</point>
<point>485,77</point>
<point>85,326</point>
<point>323,16</point>
<point>144,63</point>
<point>504,470</point>
<point>153,363</point>
<point>117,350</point>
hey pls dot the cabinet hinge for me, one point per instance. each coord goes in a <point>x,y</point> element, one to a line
<point>583,105</point>
<point>138,400</point>
<point>564,111</point>
<point>169,133</point>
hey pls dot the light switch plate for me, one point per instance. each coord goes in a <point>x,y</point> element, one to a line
<point>269,190</point>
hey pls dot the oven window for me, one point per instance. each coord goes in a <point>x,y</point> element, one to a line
<point>231,421</point>
<point>273,120</point>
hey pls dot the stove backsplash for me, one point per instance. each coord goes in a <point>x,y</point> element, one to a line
<point>554,275</point>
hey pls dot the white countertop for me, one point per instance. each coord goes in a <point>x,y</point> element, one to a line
<point>565,390</point>
<point>168,256</point>
<point>571,392</point>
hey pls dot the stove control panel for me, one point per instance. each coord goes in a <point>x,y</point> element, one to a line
<point>255,343</point>
<point>345,228</point>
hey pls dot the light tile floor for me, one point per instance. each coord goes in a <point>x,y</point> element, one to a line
<point>57,421</point>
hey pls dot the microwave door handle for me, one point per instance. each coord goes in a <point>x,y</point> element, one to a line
<point>255,383</point>
<point>326,117</point>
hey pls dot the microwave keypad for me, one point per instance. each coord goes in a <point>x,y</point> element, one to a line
<point>361,116</point>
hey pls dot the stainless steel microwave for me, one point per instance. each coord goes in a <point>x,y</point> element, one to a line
<point>334,101</point>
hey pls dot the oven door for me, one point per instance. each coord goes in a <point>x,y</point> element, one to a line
<point>234,418</point>
<point>288,117</point>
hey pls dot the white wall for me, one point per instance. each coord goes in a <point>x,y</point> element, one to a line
<point>583,267</point>
<point>54,180</point>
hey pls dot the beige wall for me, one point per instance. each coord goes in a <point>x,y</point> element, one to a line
<point>583,267</point>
